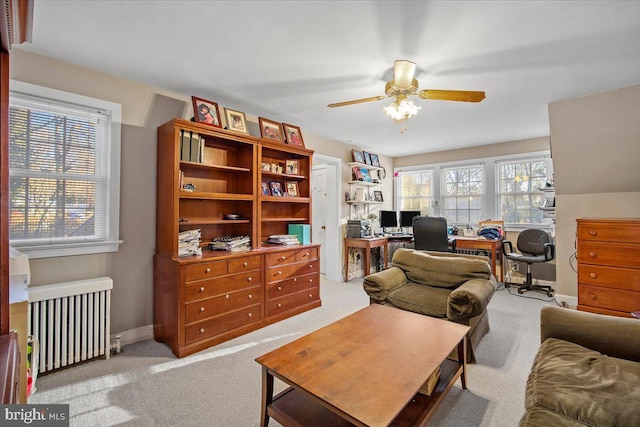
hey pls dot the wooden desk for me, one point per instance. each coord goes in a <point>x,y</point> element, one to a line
<point>479,242</point>
<point>367,245</point>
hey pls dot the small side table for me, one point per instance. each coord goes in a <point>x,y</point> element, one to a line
<point>367,245</point>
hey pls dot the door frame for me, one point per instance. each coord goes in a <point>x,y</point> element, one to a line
<point>332,233</point>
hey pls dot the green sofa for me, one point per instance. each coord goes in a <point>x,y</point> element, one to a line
<point>586,372</point>
<point>438,284</point>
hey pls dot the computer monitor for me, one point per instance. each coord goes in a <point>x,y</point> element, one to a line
<point>388,219</point>
<point>406,218</point>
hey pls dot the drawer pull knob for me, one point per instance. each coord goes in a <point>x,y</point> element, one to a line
<point>250,314</point>
<point>249,279</point>
<point>202,289</point>
<point>278,273</point>
<point>208,270</point>
<point>593,254</point>
<point>201,330</point>
<point>310,280</point>
<point>310,295</point>
<point>250,296</point>
<point>593,297</point>
<point>593,233</point>
<point>593,275</point>
<point>306,254</point>
<point>244,264</point>
<point>201,309</point>
<point>279,305</point>
<point>295,279</point>
<point>282,258</point>
<point>279,288</point>
<point>227,296</point>
<point>310,266</point>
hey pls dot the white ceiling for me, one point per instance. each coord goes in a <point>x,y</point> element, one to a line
<point>286,60</point>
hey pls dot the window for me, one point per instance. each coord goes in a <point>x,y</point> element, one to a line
<point>463,192</point>
<point>415,191</point>
<point>518,190</point>
<point>64,164</point>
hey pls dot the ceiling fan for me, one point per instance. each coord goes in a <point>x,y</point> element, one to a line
<point>404,85</point>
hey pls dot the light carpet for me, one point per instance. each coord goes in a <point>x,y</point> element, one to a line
<point>146,385</point>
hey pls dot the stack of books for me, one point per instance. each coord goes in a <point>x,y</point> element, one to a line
<point>231,244</point>
<point>284,239</point>
<point>189,243</point>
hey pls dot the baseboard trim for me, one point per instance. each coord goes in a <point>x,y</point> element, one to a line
<point>134,335</point>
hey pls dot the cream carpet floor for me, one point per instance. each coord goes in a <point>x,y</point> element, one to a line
<point>146,385</point>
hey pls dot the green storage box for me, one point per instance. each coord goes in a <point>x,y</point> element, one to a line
<point>303,231</point>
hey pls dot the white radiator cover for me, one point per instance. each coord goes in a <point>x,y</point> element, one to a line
<point>71,321</point>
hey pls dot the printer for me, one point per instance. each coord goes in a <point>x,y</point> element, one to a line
<point>358,229</point>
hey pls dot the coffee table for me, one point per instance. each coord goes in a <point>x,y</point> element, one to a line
<point>364,370</point>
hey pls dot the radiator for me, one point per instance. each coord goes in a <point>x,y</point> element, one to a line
<point>70,321</point>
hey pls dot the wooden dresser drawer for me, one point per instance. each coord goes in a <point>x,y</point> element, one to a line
<point>278,258</point>
<point>291,301</point>
<point>307,254</point>
<point>221,285</point>
<point>249,263</point>
<point>615,255</point>
<point>210,307</point>
<point>282,272</point>
<point>609,277</point>
<point>609,231</point>
<point>294,284</point>
<point>612,299</point>
<point>205,270</point>
<point>223,323</point>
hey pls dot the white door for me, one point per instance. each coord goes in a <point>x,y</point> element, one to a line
<point>320,204</point>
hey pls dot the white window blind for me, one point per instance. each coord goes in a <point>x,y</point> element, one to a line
<point>60,174</point>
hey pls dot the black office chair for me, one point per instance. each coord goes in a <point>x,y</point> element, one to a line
<point>430,234</point>
<point>535,245</point>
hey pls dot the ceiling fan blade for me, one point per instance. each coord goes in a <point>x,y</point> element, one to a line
<point>357,101</point>
<point>403,72</point>
<point>452,95</point>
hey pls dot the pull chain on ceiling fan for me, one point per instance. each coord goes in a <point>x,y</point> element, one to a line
<point>403,86</point>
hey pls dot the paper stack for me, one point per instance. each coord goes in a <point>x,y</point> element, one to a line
<point>231,244</point>
<point>284,239</point>
<point>189,243</point>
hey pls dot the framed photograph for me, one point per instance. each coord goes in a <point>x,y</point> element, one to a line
<point>365,174</point>
<point>206,111</point>
<point>357,156</point>
<point>293,135</point>
<point>375,160</point>
<point>270,129</point>
<point>347,196</point>
<point>276,188</point>
<point>356,173</point>
<point>377,196</point>
<point>292,188</point>
<point>266,191</point>
<point>367,158</point>
<point>292,167</point>
<point>236,120</point>
<point>266,167</point>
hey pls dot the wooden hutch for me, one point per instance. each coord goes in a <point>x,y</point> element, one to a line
<point>200,301</point>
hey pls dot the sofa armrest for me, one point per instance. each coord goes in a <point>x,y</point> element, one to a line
<point>610,335</point>
<point>379,285</point>
<point>470,299</point>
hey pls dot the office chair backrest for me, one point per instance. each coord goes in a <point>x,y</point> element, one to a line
<point>430,233</point>
<point>532,241</point>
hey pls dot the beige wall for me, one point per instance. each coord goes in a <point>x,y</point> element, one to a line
<point>144,108</point>
<point>595,143</point>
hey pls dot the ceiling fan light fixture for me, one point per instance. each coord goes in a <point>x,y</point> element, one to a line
<point>401,109</point>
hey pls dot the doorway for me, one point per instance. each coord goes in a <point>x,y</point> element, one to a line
<point>326,213</point>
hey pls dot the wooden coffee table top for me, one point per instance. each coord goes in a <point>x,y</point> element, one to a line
<point>369,364</point>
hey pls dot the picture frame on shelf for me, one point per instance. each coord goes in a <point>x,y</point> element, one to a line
<point>236,120</point>
<point>367,158</point>
<point>276,188</point>
<point>357,156</point>
<point>270,129</point>
<point>292,135</point>
<point>292,188</point>
<point>292,167</point>
<point>377,196</point>
<point>266,167</point>
<point>347,196</point>
<point>205,111</point>
<point>266,191</point>
<point>366,177</point>
<point>375,160</point>
<point>356,173</point>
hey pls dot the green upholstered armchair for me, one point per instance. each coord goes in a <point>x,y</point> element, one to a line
<point>449,286</point>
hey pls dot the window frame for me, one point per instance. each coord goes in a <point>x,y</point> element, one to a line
<point>112,150</point>
<point>398,188</point>
<point>443,191</point>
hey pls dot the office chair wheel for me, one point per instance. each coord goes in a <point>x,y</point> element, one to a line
<point>549,294</point>
<point>520,291</point>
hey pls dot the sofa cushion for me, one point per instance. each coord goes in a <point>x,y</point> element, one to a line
<point>583,384</point>
<point>439,271</point>
<point>421,299</point>
<point>540,417</point>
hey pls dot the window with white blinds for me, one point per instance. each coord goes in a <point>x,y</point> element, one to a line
<point>61,175</point>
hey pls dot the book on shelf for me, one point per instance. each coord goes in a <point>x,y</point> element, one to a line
<point>283,239</point>
<point>191,147</point>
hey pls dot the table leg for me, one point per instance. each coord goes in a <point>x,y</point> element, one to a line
<point>267,396</point>
<point>462,359</point>
<point>346,261</point>
<point>386,256</point>
<point>366,268</point>
<point>493,259</point>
